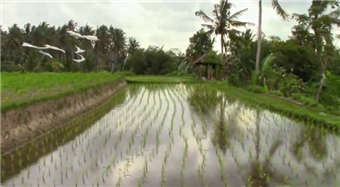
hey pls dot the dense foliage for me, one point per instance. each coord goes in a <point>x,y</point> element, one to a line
<point>305,67</point>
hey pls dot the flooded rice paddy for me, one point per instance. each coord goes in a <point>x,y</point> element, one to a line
<point>189,136</point>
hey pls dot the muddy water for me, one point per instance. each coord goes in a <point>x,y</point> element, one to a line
<point>159,137</point>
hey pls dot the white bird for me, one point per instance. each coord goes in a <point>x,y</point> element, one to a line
<point>91,37</point>
<point>79,50</point>
<point>74,34</point>
<point>54,48</point>
<point>24,44</point>
<point>79,60</point>
<point>46,54</point>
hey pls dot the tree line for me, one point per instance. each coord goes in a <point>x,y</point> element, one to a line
<point>308,62</point>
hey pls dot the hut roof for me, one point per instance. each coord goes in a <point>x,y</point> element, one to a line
<point>202,61</point>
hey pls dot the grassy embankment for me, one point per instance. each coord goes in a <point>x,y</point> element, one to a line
<point>284,107</point>
<point>18,90</point>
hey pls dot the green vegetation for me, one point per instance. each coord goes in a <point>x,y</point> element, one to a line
<point>19,90</point>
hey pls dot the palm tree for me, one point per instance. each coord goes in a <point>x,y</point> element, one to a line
<point>102,47</point>
<point>223,22</point>
<point>241,48</point>
<point>133,45</point>
<point>118,40</point>
<point>282,13</point>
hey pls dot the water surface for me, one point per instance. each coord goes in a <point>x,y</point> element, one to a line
<point>187,136</point>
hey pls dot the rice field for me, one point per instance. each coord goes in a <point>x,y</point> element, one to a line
<point>178,135</point>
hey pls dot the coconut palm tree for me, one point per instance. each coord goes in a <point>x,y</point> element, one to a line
<point>279,11</point>
<point>133,45</point>
<point>103,45</point>
<point>118,46</point>
<point>223,22</point>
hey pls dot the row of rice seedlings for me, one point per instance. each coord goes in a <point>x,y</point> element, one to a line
<point>147,160</point>
<point>125,172</point>
<point>143,112</point>
<point>159,130</point>
<point>98,158</point>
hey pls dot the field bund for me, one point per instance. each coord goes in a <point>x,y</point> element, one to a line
<point>20,125</point>
<point>183,135</point>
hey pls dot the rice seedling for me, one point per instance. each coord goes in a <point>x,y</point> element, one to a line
<point>179,136</point>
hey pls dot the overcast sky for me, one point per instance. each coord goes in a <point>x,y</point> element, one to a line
<point>157,22</point>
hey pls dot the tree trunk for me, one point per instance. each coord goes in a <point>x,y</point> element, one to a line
<point>112,67</point>
<point>222,50</point>
<point>322,83</point>
<point>259,40</point>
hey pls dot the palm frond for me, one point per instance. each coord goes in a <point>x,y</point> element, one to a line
<point>335,13</point>
<point>279,10</point>
<point>204,16</point>
<point>240,23</point>
<point>238,14</point>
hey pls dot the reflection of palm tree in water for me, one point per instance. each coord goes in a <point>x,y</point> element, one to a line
<point>221,134</point>
<point>260,172</point>
<point>315,140</point>
<point>221,130</point>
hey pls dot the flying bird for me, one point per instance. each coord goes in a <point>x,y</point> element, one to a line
<point>79,60</point>
<point>79,50</point>
<point>24,44</point>
<point>46,54</point>
<point>54,48</point>
<point>91,37</point>
<point>74,34</point>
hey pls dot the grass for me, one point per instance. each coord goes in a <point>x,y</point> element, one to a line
<point>283,107</point>
<point>160,79</point>
<point>19,90</point>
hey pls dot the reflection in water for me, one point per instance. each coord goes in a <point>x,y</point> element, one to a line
<point>189,136</point>
<point>267,164</point>
<point>202,98</point>
<point>314,139</point>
